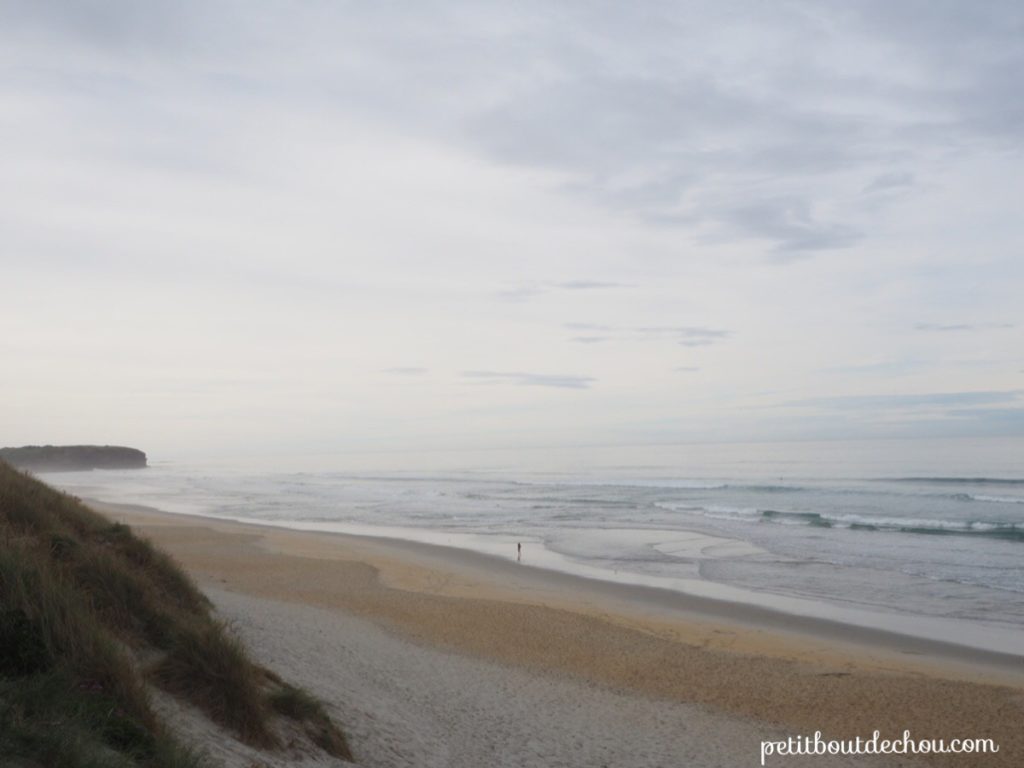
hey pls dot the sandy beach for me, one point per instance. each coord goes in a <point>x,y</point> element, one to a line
<point>432,656</point>
<point>712,309</point>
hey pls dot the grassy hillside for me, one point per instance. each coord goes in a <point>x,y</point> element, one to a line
<point>90,617</point>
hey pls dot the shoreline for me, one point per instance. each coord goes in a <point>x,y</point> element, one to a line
<point>553,626</point>
<point>694,561</point>
<point>655,603</point>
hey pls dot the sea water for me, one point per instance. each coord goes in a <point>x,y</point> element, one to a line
<point>930,529</point>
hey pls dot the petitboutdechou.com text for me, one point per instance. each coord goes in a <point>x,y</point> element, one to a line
<point>817,746</point>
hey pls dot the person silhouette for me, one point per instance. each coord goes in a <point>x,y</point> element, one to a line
<point>519,551</point>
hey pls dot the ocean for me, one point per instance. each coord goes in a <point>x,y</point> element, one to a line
<point>900,534</point>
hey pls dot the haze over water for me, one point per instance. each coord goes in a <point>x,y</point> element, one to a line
<point>919,528</point>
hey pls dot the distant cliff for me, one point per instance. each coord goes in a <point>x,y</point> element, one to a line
<point>68,458</point>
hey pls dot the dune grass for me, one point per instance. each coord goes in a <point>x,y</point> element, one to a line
<point>298,705</point>
<point>82,602</point>
<point>209,667</point>
<point>70,694</point>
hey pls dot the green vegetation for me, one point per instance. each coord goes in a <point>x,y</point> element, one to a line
<point>70,458</point>
<point>296,704</point>
<point>89,616</point>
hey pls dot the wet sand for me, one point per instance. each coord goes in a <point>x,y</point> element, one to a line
<point>788,675</point>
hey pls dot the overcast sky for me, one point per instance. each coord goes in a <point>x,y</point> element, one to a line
<point>336,225</point>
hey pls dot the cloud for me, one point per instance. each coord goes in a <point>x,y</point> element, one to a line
<point>328,188</point>
<point>686,369</point>
<point>956,327</point>
<point>789,224</point>
<point>587,285</point>
<point>520,292</point>
<point>531,379</point>
<point>838,98</point>
<point>532,289</point>
<point>888,182</point>
<point>895,367</point>
<point>159,25</point>
<point>662,114</point>
<point>683,335</point>
<point>958,400</point>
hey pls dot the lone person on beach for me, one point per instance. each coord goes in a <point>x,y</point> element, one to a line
<point>519,551</point>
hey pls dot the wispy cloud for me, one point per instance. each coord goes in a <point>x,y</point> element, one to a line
<point>790,224</point>
<point>954,327</point>
<point>682,335</point>
<point>532,289</point>
<point>904,402</point>
<point>530,379</point>
<point>895,367</point>
<point>888,182</point>
<point>587,285</point>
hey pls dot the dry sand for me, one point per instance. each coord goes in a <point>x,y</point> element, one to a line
<point>432,658</point>
<point>409,705</point>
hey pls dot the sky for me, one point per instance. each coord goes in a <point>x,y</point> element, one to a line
<point>336,226</point>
